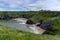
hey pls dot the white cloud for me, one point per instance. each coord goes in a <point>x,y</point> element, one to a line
<point>33,5</point>
<point>46,5</point>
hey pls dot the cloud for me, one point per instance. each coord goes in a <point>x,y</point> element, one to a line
<point>30,5</point>
<point>53,5</point>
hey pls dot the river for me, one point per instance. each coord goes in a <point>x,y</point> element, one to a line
<point>20,25</point>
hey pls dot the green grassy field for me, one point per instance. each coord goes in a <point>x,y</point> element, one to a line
<point>12,34</point>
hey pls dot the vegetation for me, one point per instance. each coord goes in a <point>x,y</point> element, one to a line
<point>12,34</point>
<point>44,15</point>
<point>34,14</point>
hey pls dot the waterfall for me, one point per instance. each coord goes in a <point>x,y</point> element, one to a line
<point>22,22</point>
<point>30,28</point>
<point>34,29</point>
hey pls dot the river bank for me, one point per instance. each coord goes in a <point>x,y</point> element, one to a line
<point>10,32</point>
<point>7,33</point>
<point>34,16</point>
<point>31,27</point>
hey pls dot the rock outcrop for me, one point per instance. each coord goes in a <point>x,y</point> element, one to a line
<point>46,25</point>
<point>29,22</point>
<point>7,17</point>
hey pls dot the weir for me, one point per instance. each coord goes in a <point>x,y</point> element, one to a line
<point>30,28</point>
<point>20,24</point>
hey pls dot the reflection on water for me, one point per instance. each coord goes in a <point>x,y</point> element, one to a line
<point>14,24</point>
<point>33,29</point>
<point>20,25</point>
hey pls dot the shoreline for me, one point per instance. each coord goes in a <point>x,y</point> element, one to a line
<point>20,19</point>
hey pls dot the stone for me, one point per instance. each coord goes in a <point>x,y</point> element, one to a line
<point>46,25</point>
<point>29,22</point>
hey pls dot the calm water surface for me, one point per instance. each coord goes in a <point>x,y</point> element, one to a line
<point>19,25</point>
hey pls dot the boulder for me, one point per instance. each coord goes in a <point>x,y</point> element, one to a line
<point>46,25</point>
<point>39,22</point>
<point>29,22</point>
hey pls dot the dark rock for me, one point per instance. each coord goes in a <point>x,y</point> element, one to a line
<point>2,17</point>
<point>25,16</point>
<point>8,16</point>
<point>29,22</point>
<point>39,22</point>
<point>38,25</point>
<point>46,25</point>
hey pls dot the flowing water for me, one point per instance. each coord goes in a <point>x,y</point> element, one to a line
<point>20,25</point>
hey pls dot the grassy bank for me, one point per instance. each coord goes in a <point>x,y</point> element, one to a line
<point>12,34</point>
<point>37,15</point>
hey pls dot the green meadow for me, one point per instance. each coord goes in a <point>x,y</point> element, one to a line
<point>7,33</point>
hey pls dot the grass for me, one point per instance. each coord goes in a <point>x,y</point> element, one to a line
<point>12,34</point>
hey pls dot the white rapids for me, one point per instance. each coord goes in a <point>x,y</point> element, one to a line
<point>31,28</point>
<point>21,20</point>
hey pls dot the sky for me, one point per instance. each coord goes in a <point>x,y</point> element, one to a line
<point>29,5</point>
